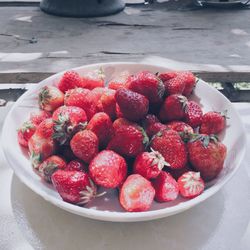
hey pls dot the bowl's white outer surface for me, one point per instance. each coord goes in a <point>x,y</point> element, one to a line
<point>108,208</point>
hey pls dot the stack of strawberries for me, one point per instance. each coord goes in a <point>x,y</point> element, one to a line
<point>140,134</point>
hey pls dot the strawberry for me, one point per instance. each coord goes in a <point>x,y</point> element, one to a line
<point>171,146</point>
<point>183,128</point>
<point>147,84</point>
<point>133,106</point>
<point>50,165</point>
<point>38,116</point>
<point>120,122</point>
<point>149,120</point>
<point>129,141</point>
<point>25,132</point>
<point>193,114</point>
<point>174,85</point>
<point>93,79</point>
<point>167,75</point>
<point>119,81</point>
<point>149,164</point>
<point>91,101</point>
<point>70,80</point>
<point>74,186</point>
<point>68,120</point>
<point>102,126</point>
<point>173,108</point>
<point>118,111</point>
<point>136,194</point>
<point>180,126</point>
<point>190,82</point>
<point>84,145</point>
<point>182,82</point>
<point>50,98</point>
<point>213,123</point>
<point>40,148</point>
<point>176,173</point>
<point>207,155</point>
<point>75,97</point>
<point>108,169</point>
<point>45,128</point>
<point>155,128</point>
<point>191,184</point>
<point>76,165</point>
<point>107,103</point>
<point>166,187</point>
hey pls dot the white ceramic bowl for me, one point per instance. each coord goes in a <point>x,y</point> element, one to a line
<point>107,207</point>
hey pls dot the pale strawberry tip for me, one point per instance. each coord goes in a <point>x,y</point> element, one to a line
<point>89,194</point>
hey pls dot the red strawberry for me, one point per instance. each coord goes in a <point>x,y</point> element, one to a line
<point>76,97</point>
<point>108,169</point>
<point>25,132</point>
<point>91,101</point>
<point>136,194</point>
<point>102,126</point>
<point>45,128</point>
<point>176,173</point>
<point>119,81</point>
<point>174,85</point>
<point>183,128</point>
<point>38,116</point>
<point>190,82</point>
<point>74,186</point>
<point>76,165</point>
<point>147,84</point>
<point>149,120</point>
<point>133,106</point>
<point>93,79</point>
<point>167,75</point>
<point>107,103</point>
<point>180,126</point>
<point>171,146</point>
<point>207,155</point>
<point>173,108</point>
<point>166,187</point>
<point>193,114</point>
<point>155,128</point>
<point>50,98</point>
<point>50,165</point>
<point>213,123</point>
<point>149,164</point>
<point>84,145</point>
<point>68,120</point>
<point>120,122</point>
<point>40,148</point>
<point>129,141</point>
<point>70,80</point>
<point>191,184</point>
<point>118,111</point>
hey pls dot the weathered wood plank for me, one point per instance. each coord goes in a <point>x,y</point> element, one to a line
<point>205,36</point>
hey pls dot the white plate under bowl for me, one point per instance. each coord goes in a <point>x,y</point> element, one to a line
<point>107,208</point>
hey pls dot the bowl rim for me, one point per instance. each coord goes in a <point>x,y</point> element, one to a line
<point>112,215</point>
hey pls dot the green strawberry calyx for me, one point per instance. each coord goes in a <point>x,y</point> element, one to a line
<point>36,159</point>
<point>64,130</point>
<point>205,139</point>
<point>44,96</point>
<point>47,170</point>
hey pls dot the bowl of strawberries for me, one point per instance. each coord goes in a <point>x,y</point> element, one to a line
<point>124,141</point>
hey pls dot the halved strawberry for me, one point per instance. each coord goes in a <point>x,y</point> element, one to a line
<point>136,194</point>
<point>191,184</point>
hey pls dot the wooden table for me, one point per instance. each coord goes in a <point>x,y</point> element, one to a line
<point>213,43</point>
